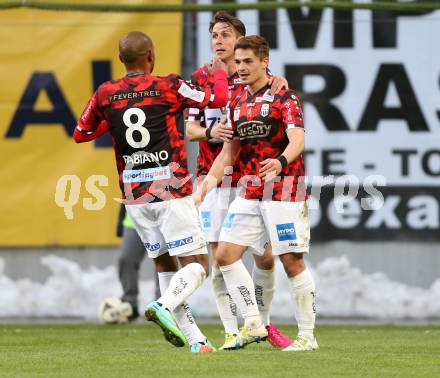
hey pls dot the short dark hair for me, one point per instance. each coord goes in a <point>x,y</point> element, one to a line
<point>234,22</point>
<point>257,44</point>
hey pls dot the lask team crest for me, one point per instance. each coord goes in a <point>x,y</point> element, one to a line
<point>264,110</point>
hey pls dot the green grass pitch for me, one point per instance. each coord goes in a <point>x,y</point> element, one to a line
<point>139,350</point>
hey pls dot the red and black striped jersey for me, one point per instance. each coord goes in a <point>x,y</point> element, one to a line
<point>208,150</point>
<point>261,122</point>
<point>146,122</point>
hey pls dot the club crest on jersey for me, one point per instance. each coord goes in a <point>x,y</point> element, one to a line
<point>264,111</point>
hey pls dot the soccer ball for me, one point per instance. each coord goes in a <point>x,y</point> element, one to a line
<point>113,311</point>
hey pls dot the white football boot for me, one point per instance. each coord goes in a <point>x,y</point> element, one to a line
<point>301,344</point>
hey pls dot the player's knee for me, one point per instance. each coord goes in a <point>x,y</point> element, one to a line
<point>293,263</point>
<point>219,256</point>
<point>265,262</point>
<point>200,259</point>
<point>228,253</point>
<point>166,263</point>
<point>222,258</point>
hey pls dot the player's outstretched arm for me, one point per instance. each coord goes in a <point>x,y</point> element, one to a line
<point>220,131</point>
<point>195,132</point>
<point>221,86</point>
<point>92,123</point>
<point>193,96</point>
<point>271,168</point>
<point>225,158</point>
<point>80,135</point>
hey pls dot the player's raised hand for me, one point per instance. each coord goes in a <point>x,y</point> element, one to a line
<point>218,64</point>
<point>270,168</point>
<point>222,131</point>
<point>277,83</point>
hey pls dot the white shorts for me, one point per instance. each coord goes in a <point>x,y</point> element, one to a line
<point>169,226</point>
<point>286,223</point>
<point>213,211</point>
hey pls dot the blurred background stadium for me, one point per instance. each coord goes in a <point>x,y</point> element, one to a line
<point>369,81</point>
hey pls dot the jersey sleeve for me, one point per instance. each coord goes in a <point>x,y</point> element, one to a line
<point>291,111</point>
<point>190,95</point>
<point>91,117</point>
<point>200,78</point>
<point>81,137</point>
<point>195,115</point>
<point>193,96</point>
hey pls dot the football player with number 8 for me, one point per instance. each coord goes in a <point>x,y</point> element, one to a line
<point>144,115</point>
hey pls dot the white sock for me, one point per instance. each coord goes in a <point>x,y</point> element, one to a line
<point>264,281</point>
<point>241,288</point>
<point>184,282</point>
<point>303,292</point>
<point>227,308</point>
<point>182,313</point>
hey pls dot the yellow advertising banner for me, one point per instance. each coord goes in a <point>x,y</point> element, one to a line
<point>50,64</point>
